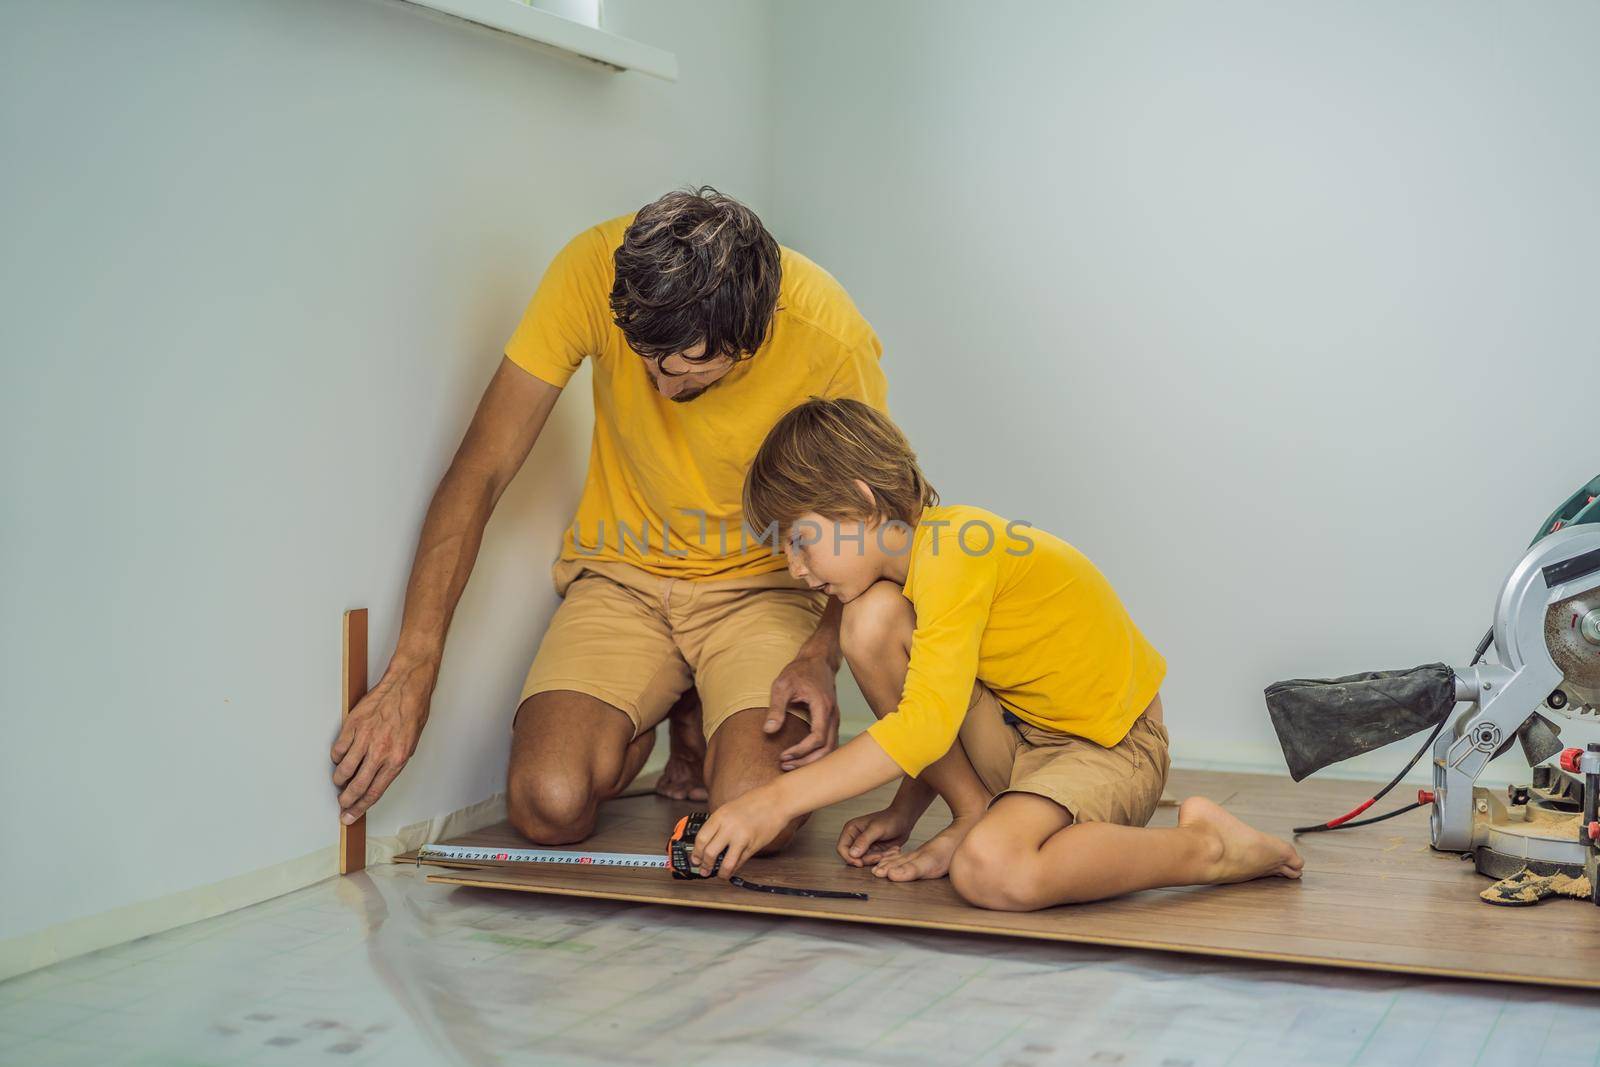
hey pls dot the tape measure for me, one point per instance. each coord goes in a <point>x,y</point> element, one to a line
<point>474,854</point>
<point>680,847</point>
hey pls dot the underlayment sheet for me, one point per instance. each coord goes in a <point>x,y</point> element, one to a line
<point>1372,898</point>
<point>383,969</point>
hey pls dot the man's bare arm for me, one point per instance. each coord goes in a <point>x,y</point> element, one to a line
<point>824,643</point>
<point>381,733</point>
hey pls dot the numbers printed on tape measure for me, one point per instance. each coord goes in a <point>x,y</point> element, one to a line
<point>466,854</point>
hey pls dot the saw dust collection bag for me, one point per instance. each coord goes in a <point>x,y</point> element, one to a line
<point>1324,720</point>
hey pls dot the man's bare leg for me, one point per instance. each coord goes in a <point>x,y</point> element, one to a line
<point>1027,853</point>
<point>741,756</point>
<point>683,778</point>
<point>876,637</point>
<point>569,751</point>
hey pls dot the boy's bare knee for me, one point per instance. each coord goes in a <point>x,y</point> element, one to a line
<point>880,617</point>
<point>988,872</point>
<point>551,809</point>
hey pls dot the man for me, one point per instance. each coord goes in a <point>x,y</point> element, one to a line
<point>702,332</point>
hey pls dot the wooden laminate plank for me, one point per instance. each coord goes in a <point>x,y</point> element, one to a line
<point>1372,899</point>
<point>353,838</point>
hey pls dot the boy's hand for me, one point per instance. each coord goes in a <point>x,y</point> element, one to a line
<point>869,839</point>
<point>737,831</point>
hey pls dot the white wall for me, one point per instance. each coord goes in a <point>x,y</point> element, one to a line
<point>1284,313</point>
<point>260,259</point>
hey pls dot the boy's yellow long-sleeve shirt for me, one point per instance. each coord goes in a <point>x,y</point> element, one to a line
<point>1030,617</point>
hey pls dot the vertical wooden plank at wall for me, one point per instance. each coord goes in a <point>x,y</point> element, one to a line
<point>353,838</point>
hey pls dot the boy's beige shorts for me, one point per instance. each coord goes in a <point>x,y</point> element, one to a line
<point>1121,784</point>
<point>639,641</point>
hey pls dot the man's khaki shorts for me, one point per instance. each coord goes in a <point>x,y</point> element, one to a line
<point>639,641</point>
<point>1121,784</point>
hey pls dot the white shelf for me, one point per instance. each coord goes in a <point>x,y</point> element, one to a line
<point>512,16</point>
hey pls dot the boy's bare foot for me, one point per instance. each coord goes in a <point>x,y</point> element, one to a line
<point>1243,852</point>
<point>931,859</point>
<point>683,778</point>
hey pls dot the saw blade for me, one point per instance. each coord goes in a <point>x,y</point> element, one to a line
<point>1572,634</point>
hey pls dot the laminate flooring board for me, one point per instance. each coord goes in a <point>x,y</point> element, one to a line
<point>1373,898</point>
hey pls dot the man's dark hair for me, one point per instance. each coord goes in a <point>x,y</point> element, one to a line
<point>696,266</point>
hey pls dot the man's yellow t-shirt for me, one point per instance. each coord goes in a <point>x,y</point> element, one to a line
<point>1029,616</point>
<point>666,479</point>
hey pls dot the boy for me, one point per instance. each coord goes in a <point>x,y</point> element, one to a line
<point>1006,676</point>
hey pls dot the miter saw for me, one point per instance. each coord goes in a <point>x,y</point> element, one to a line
<point>1546,638</point>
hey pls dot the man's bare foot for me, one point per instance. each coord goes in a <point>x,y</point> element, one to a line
<point>683,778</point>
<point>931,859</point>
<point>1243,852</point>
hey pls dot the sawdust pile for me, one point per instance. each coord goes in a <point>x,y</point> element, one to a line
<point>1559,823</point>
<point>1526,887</point>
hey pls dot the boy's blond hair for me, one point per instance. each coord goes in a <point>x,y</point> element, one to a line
<point>811,460</point>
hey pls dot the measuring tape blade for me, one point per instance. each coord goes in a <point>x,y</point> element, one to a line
<point>471,854</point>
<point>681,841</point>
